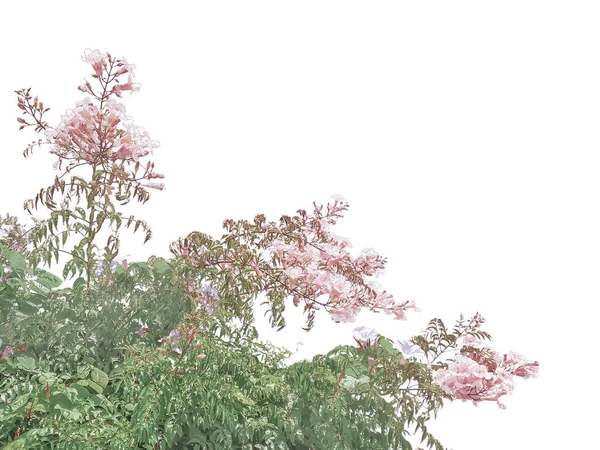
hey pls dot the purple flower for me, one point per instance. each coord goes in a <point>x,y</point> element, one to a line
<point>208,297</point>
<point>99,268</point>
<point>174,338</point>
<point>208,293</point>
<point>143,328</point>
<point>121,261</point>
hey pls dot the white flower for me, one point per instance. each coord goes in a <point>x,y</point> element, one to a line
<point>408,349</point>
<point>92,56</point>
<point>365,334</point>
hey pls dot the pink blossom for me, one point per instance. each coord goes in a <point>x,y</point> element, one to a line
<point>7,352</point>
<point>97,59</point>
<point>465,379</point>
<point>189,286</point>
<point>98,131</point>
<point>317,263</point>
<point>347,314</point>
<point>483,375</point>
<point>519,366</point>
<point>472,341</point>
<point>159,186</point>
<point>127,86</point>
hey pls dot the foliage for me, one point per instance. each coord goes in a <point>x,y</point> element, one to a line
<point>164,354</point>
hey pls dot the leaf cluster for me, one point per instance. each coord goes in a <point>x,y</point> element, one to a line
<point>84,379</point>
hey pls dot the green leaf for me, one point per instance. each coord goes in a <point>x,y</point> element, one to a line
<point>351,383</point>
<point>61,400</point>
<point>16,261</point>
<point>78,283</point>
<point>66,269</point>
<point>40,407</point>
<point>99,377</point>
<point>39,288</point>
<point>82,391</point>
<point>405,444</point>
<point>162,267</point>
<point>47,279</point>
<point>356,370</point>
<point>83,372</point>
<point>386,344</point>
<point>28,309</point>
<point>25,363</point>
<point>21,400</point>
<point>19,444</point>
<point>101,400</point>
<point>36,299</point>
<point>141,265</point>
<point>65,314</point>
<point>96,387</point>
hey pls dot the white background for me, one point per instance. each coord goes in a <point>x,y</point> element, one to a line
<point>463,134</point>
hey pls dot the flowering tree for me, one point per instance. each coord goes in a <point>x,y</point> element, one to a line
<point>98,136</point>
<point>164,353</point>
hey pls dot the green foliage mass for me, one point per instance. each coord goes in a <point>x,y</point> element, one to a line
<point>83,378</point>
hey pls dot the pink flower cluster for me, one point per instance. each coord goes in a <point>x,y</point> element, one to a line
<point>483,375</point>
<point>318,264</point>
<point>97,131</point>
<point>89,133</point>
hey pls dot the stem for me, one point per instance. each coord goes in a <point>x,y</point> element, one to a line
<point>91,231</point>
<point>460,334</point>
